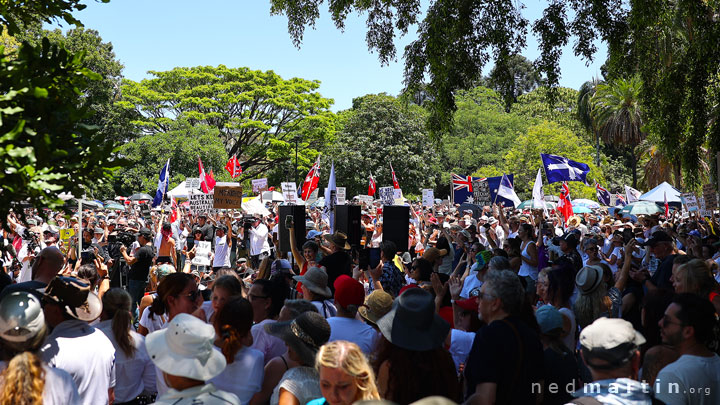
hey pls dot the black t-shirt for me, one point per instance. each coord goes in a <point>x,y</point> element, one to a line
<point>561,369</point>
<point>337,263</point>
<point>661,278</point>
<point>496,357</point>
<point>141,268</point>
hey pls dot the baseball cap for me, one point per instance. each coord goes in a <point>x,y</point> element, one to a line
<point>313,234</point>
<point>549,319</point>
<point>144,232</point>
<point>657,237</point>
<point>612,341</point>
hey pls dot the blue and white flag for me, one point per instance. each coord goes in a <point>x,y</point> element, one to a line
<point>558,168</point>
<point>329,208</point>
<point>163,182</point>
<point>507,191</point>
<point>603,195</point>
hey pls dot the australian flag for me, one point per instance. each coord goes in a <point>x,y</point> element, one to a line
<point>603,195</point>
<point>463,189</point>
<point>558,168</point>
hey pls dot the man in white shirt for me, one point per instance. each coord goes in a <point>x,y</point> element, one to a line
<point>259,246</point>
<point>223,243</point>
<point>75,346</point>
<point>693,378</point>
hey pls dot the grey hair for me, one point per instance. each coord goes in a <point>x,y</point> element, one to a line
<point>505,285</point>
<point>499,263</point>
<point>297,307</point>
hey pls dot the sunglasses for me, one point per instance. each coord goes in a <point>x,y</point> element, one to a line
<point>193,295</point>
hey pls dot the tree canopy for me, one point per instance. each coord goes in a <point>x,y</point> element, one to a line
<point>258,115</point>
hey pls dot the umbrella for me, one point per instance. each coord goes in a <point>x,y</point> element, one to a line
<point>581,209</point>
<point>528,204</point>
<point>641,208</point>
<point>585,202</point>
<point>112,205</point>
<point>140,197</point>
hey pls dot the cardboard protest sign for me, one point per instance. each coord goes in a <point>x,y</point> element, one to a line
<point>202,254</point>
<point>289,191</point>
<point>340,195</point>
<point>365,199</point>
<point>259,185</point>
<point>313,197</point>
<point>690,202</point>
<point>710,196</point>
<point>397,196</point>
<point>701,203</point>
<point>387,195</point>
<point>481,192</point>
<point>200,203</point>
<point>192,183</point>
<point>227,196</point>
<point>428,197</point>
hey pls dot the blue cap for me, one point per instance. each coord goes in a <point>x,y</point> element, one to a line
<point>548,318</point>
<point>313,234</point>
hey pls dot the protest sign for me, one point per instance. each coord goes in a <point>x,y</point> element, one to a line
<point>202,254</point>
<point>711,201</point>
<point>365,199</point>
<point>690,202</point>
<point>428,197</point>
<point>192,183</point>
<point>398,197</point>
<point>701,204</point>
<point>259,185</point>
<point>66,234</point>
<point>313,197</point>
<point>340,195</point>
<point>289,191</point>
<point>200,203</point>
<point>387,195</point>
<point>227,196</point>
<point>145,210</point>
<point>481,192</point>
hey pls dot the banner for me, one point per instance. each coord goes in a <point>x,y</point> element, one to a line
<point>227,197</point>
<point>711,201</point>
<point>691,201</point>
<point>259,185</point>
<point>202,254</point>
<point>387,195</point>
<point>481,192</point>
<point>428,197</point>
<point>397,196</point>
<point>192,183</point>
<point>200,203</point>
<point>340,195</point>
<point>365,199</point>
<point>289,191</point>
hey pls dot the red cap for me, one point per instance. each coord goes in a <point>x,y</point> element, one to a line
<point>348,291</point>
<point>470,304</point>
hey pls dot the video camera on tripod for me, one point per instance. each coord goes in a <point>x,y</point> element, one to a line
<point>120,269</point>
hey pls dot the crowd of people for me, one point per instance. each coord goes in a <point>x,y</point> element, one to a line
<point>487,306</point>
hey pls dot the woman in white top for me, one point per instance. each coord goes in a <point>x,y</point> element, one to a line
<point>243,375</point>
<point>25,378</point>
<point>529,258</point>
<point>135,373</point>
<point>377,236</point>
<point>223,288</point>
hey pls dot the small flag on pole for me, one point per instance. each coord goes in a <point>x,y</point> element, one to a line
<point>372,187</point>
<point>233,167</point>
<point>396,185</point>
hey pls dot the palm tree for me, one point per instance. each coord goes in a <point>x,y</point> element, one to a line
<point>618,117</point>
<point>584,111</point>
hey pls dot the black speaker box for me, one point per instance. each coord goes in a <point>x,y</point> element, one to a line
<point>396,225</point>
<point>298,214</point>
<point>347,221</point>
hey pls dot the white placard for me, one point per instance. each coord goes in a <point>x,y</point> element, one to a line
<point>428,197</point>
<point>202,254</point>
<point>192,183</point>
<point>398,197</point>
<point>289,191</point>
<point>200,203</point>
<point>259,184</point>
<point>365,199</point>
<point>690,201</point>
<point>387,195</point>
<point>340,195</point>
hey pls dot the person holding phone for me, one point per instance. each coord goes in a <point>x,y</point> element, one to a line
<point>307,258</point>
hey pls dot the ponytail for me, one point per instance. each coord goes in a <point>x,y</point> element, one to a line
<point>232,343</point>
<point>234,321</point>
<point>23,380</point>
<point>116,305</point>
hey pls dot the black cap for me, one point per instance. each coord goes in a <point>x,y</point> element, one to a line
<point>144,232</point>
<point>222,227</point>
<point>657,237</point>
<point>569,238</point>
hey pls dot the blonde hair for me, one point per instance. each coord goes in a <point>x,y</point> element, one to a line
<point>23,381</point>
<point>348,357</point>
<point>697,277</point>
<point>116,305</point>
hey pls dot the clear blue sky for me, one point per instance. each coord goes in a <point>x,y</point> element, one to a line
<point>163,34</point>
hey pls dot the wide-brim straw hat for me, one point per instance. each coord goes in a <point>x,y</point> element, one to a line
<point>338,239</point>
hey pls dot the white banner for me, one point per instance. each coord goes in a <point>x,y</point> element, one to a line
<point>387,195</point>
<point>691,202</point>
<point>259,184</point>
<point>289,191</point>
<point>192,183</point>
<point>397,196</point>
<point>428,197</point>
<point>200,203</point>
<point>365,199</point>
<point>340,195</point>
<point>202,254</point>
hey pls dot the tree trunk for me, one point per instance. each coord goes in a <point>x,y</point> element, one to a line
<point>677,174</point>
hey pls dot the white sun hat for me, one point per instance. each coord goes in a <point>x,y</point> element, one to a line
<point>185,349</point>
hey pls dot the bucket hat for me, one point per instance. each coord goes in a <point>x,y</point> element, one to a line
<point>185,349</point>
<point>316,280</point>
<point>75,297</point>
<point>304,334</point>
<point>412,323</point>
<point>338,239</point>
<point>377,304</point>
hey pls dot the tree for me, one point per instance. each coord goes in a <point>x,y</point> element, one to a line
<point>182,144</point>
<point>584,112</point>
<point>512,77</point>
<point>523,159</point>
<point>618,117</point>
<point>44,148</point>
<point>258,114</point>
<point>376,132</point>
<point>15,15</point>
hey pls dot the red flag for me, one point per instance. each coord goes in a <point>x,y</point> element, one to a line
<point>667,206</point>
<point>207,181</point>
<point>174,208</point>
<point>372,186</point>
<point>311,180</point>
<point>564,205</point>
<point>396,185</point>
<point>233,167</point>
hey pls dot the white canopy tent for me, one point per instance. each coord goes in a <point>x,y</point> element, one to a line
<point>180,191</point>
<point>658,194</point>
